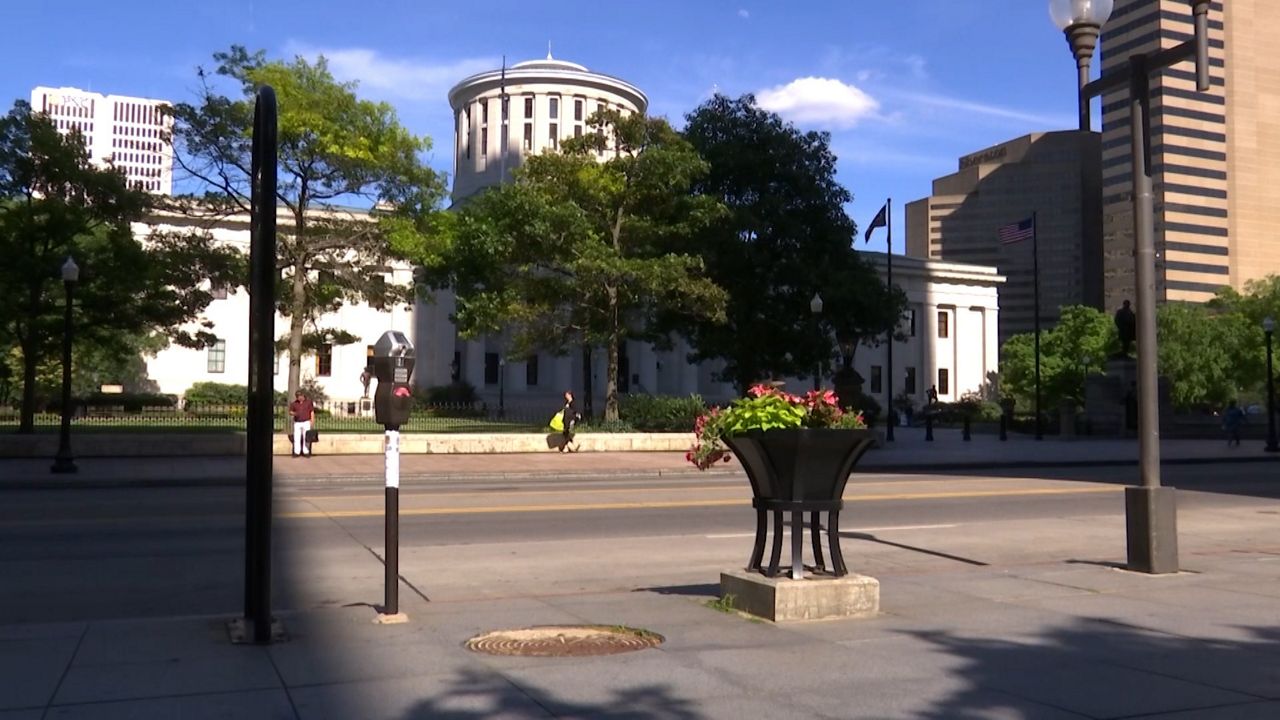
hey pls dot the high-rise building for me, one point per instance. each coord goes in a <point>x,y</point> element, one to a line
<point>1054,175</point>
<point>129,131</point>
<point>1215,156</point>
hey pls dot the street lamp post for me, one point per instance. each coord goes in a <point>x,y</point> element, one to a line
<point>502,385</point>
<point>1151,510</point>
<point>64,462</point>
<point>815,307</point>
<point>1269,329</point>
<point>1081,21</point>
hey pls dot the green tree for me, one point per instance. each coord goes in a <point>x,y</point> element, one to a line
<point>786,237</point>
<point>334,148</point>
<point>53,204</point>
<point>1075,348</point>
<point>576,251</point>
<point>1208,353</point>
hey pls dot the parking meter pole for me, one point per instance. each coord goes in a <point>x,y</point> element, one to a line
<point>391,596</point>
<point>928,426</point>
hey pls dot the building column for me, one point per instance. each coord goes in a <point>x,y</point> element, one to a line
<point>688,372</point>
<point>473,364</point>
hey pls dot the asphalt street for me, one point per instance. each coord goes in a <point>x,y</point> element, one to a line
<point>139,552</point>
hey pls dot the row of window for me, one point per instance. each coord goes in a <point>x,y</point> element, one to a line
<point>553,130</point>
<point>135,113</point>
<point>127,131</point>
<point>127,144</point>
<point>67,109</point>
<point>493,366</point>
<point>909,380</point>
<point>137,159</point>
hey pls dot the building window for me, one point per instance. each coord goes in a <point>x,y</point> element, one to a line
<point>484,141</point>
<point>553,135</point>
<point>877,379</point>
<point>528,107</point>
<point>217,360</point>
<point>531,371</point>
<point>577,109</point>
<point>324,361</point>
<point>554,109</point>
<point>368,358</point>
<point>910,385</point>
<point>484,113</point>
<point>944,324</point>
<point>528,136</point>
<point>218,291</point>
<point>944,381</point>
<point>577,131</point>
<point>491,368</point>
<point>911,323</point>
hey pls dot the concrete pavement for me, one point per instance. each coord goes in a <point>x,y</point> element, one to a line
<point>1024,619</point>
<point>909,453</point>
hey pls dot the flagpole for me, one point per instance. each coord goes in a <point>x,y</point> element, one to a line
<point>1035,272</point>
<point>502,132</point>
<point>888,223</point>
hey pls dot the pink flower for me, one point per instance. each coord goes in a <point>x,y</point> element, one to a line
<point>760,390</point>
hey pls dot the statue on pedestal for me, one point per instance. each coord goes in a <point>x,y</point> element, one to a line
<point>1127,328</point>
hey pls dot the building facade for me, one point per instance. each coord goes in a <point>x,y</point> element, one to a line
<point>129,132</point>
<point>1215,156</point>
<point>1054,175</point>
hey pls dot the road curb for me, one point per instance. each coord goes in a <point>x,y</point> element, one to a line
<point>63,483</point>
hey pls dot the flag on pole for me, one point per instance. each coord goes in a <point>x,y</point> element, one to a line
<point>881,219</point>
<point>1017,232</point>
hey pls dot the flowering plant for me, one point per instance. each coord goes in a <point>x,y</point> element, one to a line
<point>766,408</point>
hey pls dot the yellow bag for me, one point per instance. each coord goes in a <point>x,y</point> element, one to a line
<point>557,422</point>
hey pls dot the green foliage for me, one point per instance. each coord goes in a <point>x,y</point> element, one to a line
<point>865,405</point>
<point>723,604</point>
<point>333,148</point>
<point>766,408</point>
<point>766,412</point>
<point>1209,354</point>
<point>785,237</point>
<point>605,426</point>
<point>131,402</point>
<point>215,393</point>
<point>661,413</point>
<point>1076,347</point>
<point>55,203</point>
<point>582,252</point>
<point>970,406</point>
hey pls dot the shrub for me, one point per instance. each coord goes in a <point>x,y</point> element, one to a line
<point>131,402</point>
<point>661,413</point>
<point>456,393</point>
<point>867,406</point>
<point>604,426</point>
<point>214,393</point>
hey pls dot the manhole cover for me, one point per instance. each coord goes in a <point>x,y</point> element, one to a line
<point>564,641</point>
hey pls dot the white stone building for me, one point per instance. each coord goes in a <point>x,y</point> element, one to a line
<point>128,130</point>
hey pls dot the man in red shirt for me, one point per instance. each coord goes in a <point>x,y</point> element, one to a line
<point>302,410</point>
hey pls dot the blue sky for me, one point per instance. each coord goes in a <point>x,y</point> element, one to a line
<point>904,86</point>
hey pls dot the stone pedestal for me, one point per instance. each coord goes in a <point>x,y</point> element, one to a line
<point>813,598</point>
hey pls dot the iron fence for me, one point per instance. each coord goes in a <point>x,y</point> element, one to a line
<point>333,416</point>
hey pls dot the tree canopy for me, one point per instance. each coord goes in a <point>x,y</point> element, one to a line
<point>578,249</point>
<point>55,204</point>
<point>785,237</point>
<point>334,150</point>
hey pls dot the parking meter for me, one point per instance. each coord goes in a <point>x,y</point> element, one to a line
<point>393,360</point>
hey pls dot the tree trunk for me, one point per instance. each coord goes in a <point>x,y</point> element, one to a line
<point>611,371</point>
<point>297,325</point>
<point>588,388</point>
<point>27,424</point>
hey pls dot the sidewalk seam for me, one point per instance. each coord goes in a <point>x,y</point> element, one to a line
<point>65,672</point>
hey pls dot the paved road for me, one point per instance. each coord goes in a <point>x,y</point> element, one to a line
<point>124,552</point>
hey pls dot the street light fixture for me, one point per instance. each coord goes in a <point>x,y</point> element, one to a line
<point>815,307</point>
<point>1269,329</point>
<point>64,462</point>
<point>1151,510</point>
<point>1081,21</point>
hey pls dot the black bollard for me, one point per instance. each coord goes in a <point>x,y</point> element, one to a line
<point>967,437</point>
<point>928,427</point>
<point>1004,427</point>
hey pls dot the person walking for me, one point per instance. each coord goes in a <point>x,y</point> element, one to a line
<point>1232,418</point>
<point>302,410</point>
<point>569,417</point>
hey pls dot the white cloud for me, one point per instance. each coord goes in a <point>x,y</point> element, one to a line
<point>744,13</point>
<point>819,101</point>
<point>949,103</point>
<point>402,78</point>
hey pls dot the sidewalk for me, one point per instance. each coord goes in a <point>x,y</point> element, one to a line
<point>995,628</point>
<point>909,453</point>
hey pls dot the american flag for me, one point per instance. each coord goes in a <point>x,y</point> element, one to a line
<point>1017,232</point>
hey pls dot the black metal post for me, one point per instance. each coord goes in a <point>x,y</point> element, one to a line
<point>391,578</point>
<point>1004,426</point>
<point>1272,446</point>
<point>64,462</point>
<point>928,425</point>
<point>888,254</point>
<point>261,396</point>
<point>967,437</point>
<point>817,375</point>
<point>1035,272</point>
<point>502,388</point>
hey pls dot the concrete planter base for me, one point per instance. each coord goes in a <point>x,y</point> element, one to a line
<point>813,598</point>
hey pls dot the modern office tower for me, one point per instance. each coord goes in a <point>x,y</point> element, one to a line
<point>1215,156</point>
<point>1054,175</point>
<point>130,131</point>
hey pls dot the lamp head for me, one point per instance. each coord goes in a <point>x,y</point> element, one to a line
<point>1268,324</point>
<point>1066,13</point>
<point>815,305</point>
<point>70,271</point>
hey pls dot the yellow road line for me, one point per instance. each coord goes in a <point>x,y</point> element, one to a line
<point>678,503</point>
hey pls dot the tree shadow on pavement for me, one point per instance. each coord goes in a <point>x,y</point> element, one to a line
<point>486,694</point>
<point>1105,669</point>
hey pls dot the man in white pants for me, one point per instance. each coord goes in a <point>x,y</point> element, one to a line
<point>302,410</point>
